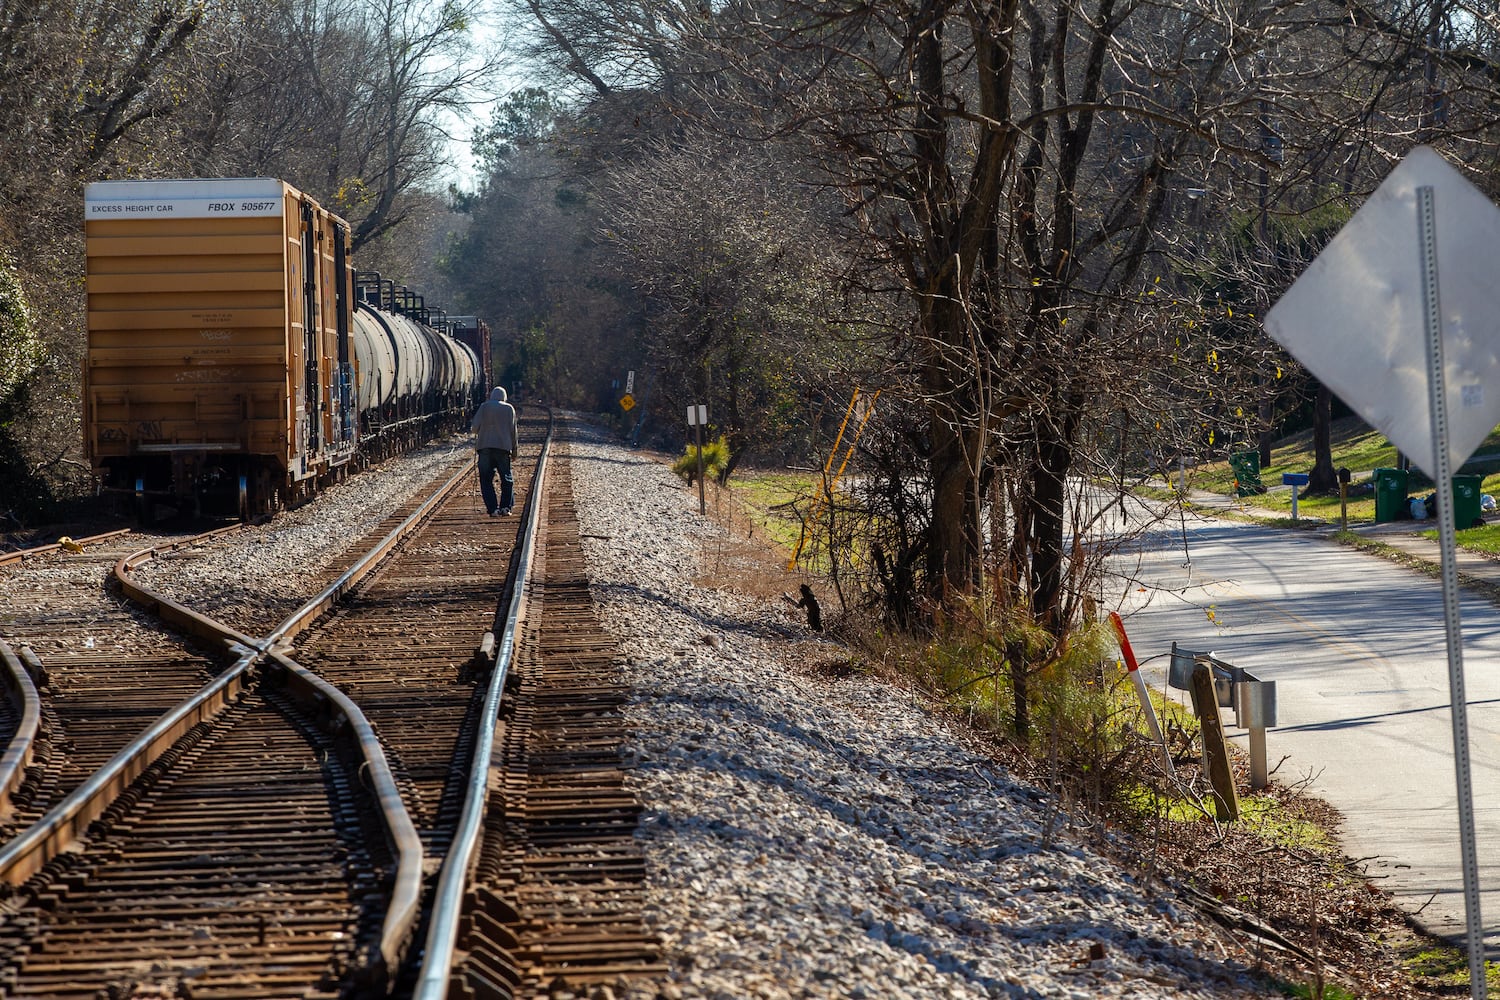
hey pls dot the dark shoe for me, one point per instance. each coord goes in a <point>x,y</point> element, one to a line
<point>492,513</point>
<point>505,512</point>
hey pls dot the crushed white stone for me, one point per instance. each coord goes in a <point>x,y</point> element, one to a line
<point>812,837</point>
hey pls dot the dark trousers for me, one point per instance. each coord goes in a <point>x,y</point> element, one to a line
<point>491,461</point>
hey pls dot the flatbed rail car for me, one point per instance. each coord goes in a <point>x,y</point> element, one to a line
<point>226,370</point>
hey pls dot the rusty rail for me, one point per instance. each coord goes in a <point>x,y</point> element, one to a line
<point>67,822</point>
<point>453,882</point>
<point>21,690</point>
<point>21,554</point>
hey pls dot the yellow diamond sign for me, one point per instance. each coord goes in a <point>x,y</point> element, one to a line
<point>627,402</point>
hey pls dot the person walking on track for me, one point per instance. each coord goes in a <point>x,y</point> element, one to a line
<point>494,427</point>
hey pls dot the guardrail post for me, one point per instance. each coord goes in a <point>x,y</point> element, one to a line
<point>1225,685</point>
<point>1215,749</point>
<point>1255,709</point>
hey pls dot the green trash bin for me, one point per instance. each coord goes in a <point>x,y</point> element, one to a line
<point>1390,494</point>
<point>1466,501</point>
<point>1246,468</point>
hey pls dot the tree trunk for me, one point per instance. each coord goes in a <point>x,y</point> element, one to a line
<point>953,565</point>
<point>952,561</point>
<point>1049,501</point>
<point>1015,655</point>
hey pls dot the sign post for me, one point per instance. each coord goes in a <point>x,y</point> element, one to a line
<point>1296,480</point>
<point>697,417</point>
<point>1443,474</point>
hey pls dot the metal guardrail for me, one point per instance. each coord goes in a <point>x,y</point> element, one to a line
<point>1253,700</point>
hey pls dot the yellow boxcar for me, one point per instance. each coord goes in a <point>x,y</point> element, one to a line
<point>219,371</point>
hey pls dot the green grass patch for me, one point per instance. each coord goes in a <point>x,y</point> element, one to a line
<point>1275,824</point>
<point>1446,967</point>
<point>1150,803</point>
<point>1264,815</point>
<point>1485,539</point>
<point>768,498</point>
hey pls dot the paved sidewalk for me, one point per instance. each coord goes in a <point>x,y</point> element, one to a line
<point>1403,535</point>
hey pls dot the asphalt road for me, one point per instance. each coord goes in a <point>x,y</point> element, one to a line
<point>1356,645</point>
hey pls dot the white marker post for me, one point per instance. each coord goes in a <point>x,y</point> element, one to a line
<point>1140,691</point>
<point>697,417</point>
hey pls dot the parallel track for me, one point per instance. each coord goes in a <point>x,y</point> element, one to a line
<point>252,861</point>
<point>562,876</point>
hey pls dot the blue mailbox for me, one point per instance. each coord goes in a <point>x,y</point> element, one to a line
<point>1296,480</point>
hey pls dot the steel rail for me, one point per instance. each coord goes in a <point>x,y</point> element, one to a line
<point>64,824</point>
<point>169,610</point>
<point>21,690</point>
<point>67,822</point>
<point>21,554</point>
<point>315,607</point>
<point>396,930</point>
<point>453,881</point>
<point>404,908</point>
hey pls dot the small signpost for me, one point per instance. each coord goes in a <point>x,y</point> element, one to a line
<point>1296,480</point>
<point>1366,318</point>
<point>627,402</point>
<point>1343,499</point>
<point>697,417</point>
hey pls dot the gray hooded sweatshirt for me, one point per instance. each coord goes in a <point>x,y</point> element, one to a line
<point>494,423</point>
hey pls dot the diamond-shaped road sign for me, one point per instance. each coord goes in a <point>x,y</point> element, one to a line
<point>1355,316</point>
<point>1399,315</point>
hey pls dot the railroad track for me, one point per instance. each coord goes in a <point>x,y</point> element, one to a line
<point>561,883</point>
<point>105,667</point>
<point>314,828</point>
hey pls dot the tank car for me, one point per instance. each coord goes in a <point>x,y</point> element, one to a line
<point>473,331</point>
<point>231,366</point>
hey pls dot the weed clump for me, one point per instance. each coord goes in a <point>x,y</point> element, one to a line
<point>715,462</point>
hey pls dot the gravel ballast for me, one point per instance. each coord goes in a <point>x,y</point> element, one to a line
<point>252,580</point>
<point>809,835</point>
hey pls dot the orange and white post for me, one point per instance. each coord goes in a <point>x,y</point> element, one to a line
<point>1134,669</point>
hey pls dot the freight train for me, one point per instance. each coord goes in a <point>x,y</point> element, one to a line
<point>237,363</point>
